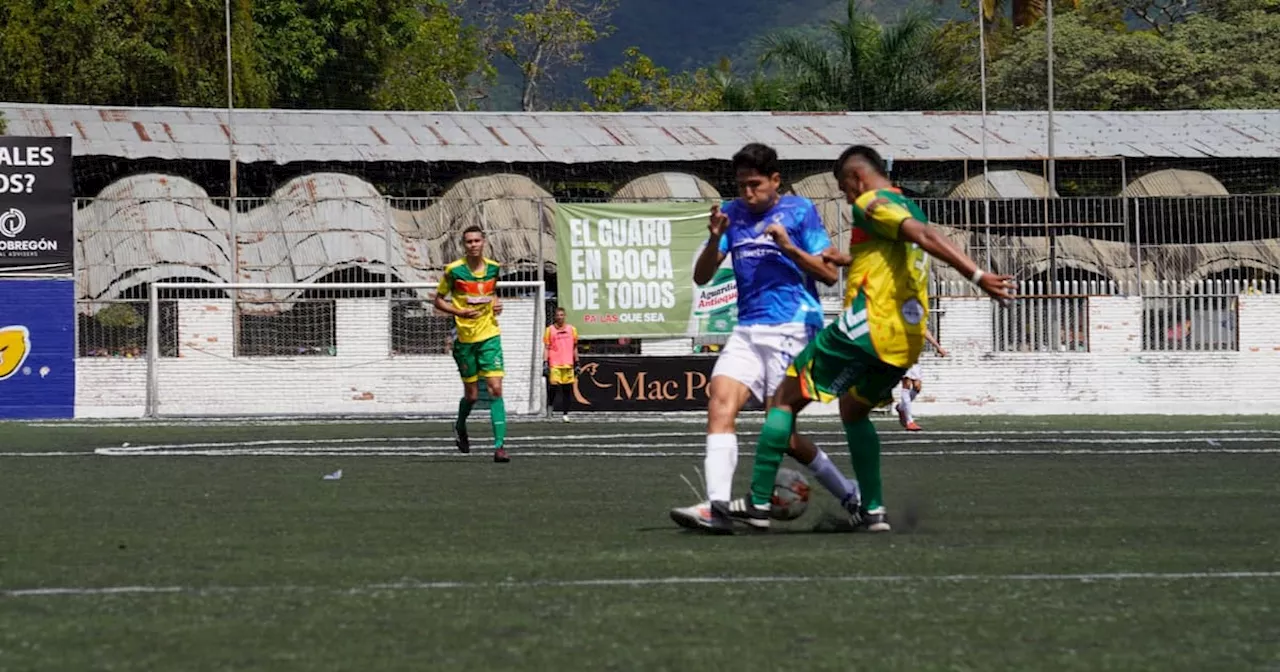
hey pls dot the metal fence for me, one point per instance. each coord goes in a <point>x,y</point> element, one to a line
<point>1188,257</point>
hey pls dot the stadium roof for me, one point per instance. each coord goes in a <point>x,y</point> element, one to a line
<point>287,136</point>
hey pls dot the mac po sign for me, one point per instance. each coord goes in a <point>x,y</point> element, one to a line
<point>35,204</point>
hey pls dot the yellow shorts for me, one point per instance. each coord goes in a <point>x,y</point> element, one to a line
<point>562,375</point>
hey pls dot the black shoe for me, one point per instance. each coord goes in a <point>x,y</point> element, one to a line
<point>720,521</point>
<point>500,456</point>
<point>461,440</point>
<point>873,520</point>
<point>743,511</point>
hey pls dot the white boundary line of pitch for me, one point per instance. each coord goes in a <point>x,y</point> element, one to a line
<point>407,586</point>
<point>573,445</point>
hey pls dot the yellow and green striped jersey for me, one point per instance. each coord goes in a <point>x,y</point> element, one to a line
<point>470,289</point>
<point>887,296</point>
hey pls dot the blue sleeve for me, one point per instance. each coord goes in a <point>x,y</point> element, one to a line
<point>814,233</point>
<point>727,208</point>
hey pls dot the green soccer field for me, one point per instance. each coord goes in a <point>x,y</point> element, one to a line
<point>1042,544</point>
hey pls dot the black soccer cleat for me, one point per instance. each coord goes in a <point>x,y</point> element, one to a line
<point>719,522</point>
<point>741,510</point>
<point>873,520</point>
<point>461,440</point>
<point>500,456</point>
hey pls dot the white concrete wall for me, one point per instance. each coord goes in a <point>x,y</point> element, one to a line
<point>1114,377</point>
<point>206,379</point>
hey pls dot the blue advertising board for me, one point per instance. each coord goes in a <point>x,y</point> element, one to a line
<point>37,349</point>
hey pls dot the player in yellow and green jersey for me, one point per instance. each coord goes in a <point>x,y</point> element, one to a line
<point>863,355</point>
<point>468,291</point>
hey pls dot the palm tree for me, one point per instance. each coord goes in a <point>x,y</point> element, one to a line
<point>1025,12</point>
<point>866,66</point>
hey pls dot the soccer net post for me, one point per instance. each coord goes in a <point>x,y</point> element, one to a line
<point>317,349</point>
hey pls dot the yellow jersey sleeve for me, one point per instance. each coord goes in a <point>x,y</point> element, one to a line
<point>883,214</point>
<point>445,288</point>
<point>546,336</point>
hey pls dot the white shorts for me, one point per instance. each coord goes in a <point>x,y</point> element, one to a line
<point>758,355</point>
<point>913,373</point>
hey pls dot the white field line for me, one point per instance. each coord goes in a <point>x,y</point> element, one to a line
<point>445,444</point>
<point>752,417</point>
<point>587,445</point>
<point>689,418</point>
<point>637,454</point>
<point>697,439</point>
<point>648,583</point>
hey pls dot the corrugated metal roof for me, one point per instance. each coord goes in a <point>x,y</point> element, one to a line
<point>285,136</point>
<point>1174,182</point>
<point>666,186</point>
<point>1003,184</point>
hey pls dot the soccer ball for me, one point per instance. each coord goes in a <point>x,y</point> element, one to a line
<point>790,495</point>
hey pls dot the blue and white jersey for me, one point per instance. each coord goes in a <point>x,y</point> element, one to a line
<point>772,289</point>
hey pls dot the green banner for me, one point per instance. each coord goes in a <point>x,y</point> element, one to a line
<point>626,270</point>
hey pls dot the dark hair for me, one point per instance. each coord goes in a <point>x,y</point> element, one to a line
<point>474,228</point>
<point>863,152</point>
<point>757,157</point>
<point>558,309</point>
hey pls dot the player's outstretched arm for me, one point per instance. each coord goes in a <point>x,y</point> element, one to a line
<point>938,246</point>
<point>933,340</point>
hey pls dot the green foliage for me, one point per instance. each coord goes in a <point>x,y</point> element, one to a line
<point>551,34</point>
<point>4,124</point>
<point>872,67</point>
<point>341,53</point>
<point>640,84</point>
<point>1101,65</point>
<point>440,58</point>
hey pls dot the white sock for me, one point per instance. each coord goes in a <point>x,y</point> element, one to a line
<point>721,463</point>
<point>905,403</point>
<point>830,477</point>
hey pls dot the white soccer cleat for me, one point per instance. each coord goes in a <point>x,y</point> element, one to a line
<point>564,418</point>
<point>696,517</point>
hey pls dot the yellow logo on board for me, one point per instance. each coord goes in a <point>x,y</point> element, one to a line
<point>15,345</point>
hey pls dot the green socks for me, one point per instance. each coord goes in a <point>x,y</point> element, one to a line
<point>864,450</point>
<point>498,415</point>
<point>464,409</point>
<point>774,439</point>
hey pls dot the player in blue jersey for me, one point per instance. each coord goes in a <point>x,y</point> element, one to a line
<point>776,244</point>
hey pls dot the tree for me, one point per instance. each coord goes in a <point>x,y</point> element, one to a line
<point>640,84</point>
<point>549,35</point>
<point>870,67</point>
<point>1242,72</point>
<point>1025,12</point>
<point>354,54</point>
<point>361,54</point>
<point>1096,67</point>
<point>439,67</point>
<point>1100,64</point>
<point>105,52</point>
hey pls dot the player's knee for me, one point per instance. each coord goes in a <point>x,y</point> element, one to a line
<point>471,393</point>
<point>722,415</point>
<point>495,387</point>
<point>852,410</point>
